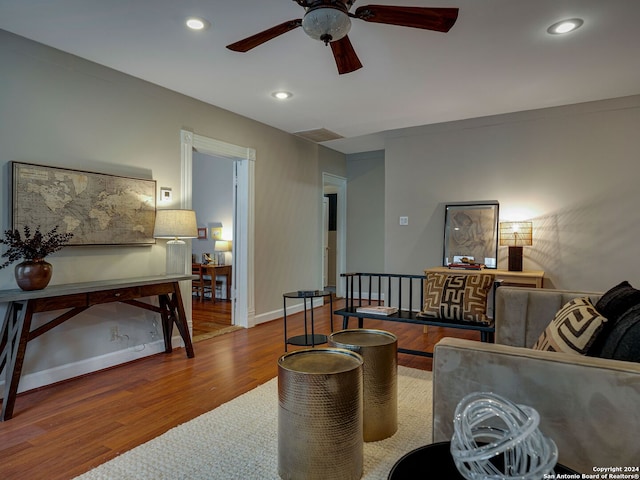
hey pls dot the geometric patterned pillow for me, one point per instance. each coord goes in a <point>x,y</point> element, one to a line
<point>574,328</point>
<point>457,297</point>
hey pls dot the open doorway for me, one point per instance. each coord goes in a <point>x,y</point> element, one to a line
<point>334,232</point>
<point>213,201</point>
<point>329,211</point>
<point>242,271</point>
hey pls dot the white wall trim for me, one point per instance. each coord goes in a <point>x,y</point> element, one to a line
<point>42,378</point>
<point>365,296</point>
<point>292,308</point>
<point>243,312</point>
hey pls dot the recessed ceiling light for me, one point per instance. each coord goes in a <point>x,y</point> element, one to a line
<point>565,26</point>
<point>195,23</point>
<point>282,95</point>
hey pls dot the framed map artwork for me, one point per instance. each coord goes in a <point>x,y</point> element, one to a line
<point>98,209</point>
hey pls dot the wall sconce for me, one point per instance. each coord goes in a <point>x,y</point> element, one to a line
<point>515,235</point>
<point>175,225</point>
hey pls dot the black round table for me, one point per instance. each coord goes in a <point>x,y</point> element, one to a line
<point>435,461</point>
<point>308,339</point>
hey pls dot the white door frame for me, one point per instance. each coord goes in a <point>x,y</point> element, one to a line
<point>242,295</point>
<point>340,184</point>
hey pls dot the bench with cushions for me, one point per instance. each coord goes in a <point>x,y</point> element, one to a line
<point>588,405</point>
<point>444,300</point>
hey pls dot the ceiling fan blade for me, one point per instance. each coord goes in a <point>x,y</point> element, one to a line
<point>346,59</point>
<point>262,37</point>
<point>438,19</point>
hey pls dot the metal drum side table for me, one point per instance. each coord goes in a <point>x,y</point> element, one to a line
<point>306,340</point>
<point>320,415</point>
<point>379,350</point>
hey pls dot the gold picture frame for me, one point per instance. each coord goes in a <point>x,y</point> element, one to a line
<point>216,233</point>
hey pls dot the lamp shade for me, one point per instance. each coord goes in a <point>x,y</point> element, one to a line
<point>175,224</point>
<point>222,246</point>
<point>516,234</point>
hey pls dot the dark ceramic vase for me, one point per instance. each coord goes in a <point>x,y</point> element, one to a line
<point>33,274</point>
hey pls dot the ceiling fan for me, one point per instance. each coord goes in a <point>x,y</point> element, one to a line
<point>330,20</point>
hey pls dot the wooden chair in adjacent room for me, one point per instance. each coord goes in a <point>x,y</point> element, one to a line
<point>201,283</point>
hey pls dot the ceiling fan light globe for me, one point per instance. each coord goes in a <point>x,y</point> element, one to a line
<point>321,23</point>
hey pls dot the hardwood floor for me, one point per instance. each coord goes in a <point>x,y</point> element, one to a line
<point>63,430</point>
<point>208,311</point>
<point>209,317</point>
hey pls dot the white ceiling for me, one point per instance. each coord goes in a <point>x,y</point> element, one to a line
<point>497,58</point>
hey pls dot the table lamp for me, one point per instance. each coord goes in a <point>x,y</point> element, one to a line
<point>175,225</point>
<point>220,248</point>
<point>515,235</point>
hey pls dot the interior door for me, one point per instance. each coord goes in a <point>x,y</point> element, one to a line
<point>325,241</point>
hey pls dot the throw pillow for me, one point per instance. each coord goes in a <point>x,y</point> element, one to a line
<point>623,341</point>
<point>457,297</point>
<point>574,328</point>
<point>616,301</point>
<point>613,304</point>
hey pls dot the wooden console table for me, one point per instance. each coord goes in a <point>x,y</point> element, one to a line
<point>16,330</point>
<point>222,270</point>
<point>526,278</point>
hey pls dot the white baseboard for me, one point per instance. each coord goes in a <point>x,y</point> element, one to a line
<point>64,372</point>
<point>291,309</point>
<point>268,316</point>
<point>365,296</point>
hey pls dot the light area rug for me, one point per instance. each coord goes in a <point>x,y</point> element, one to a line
<point>238,440</point>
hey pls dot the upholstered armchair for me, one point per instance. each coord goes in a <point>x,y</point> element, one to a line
<point>589,406</point>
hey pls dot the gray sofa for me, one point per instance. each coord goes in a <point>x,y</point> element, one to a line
<point>589,406</point>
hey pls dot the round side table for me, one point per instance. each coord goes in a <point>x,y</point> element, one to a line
<point>320,415</point>
<point>379,350</point>
<point>308,339</point>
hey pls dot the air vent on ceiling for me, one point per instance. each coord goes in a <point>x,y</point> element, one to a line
<point>319,135</point>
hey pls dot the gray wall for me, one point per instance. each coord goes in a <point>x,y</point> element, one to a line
<point>57,109</point>
<point>573,170</point>
<point>365,212</point>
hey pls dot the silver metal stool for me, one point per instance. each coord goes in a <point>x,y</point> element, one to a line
<point>379,350</point>
<point>320,415</point>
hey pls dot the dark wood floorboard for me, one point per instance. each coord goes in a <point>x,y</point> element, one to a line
<point>63,430</point>
<point>209,316</point>
<point>208,311</point>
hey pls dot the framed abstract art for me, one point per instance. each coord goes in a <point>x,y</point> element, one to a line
<point>471,233</point>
